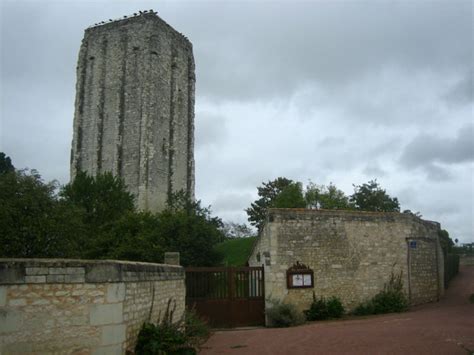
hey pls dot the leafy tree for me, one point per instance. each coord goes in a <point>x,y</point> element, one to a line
<point>371,197</point>
<point>135,236</point>
<point>104,197</point>
<point>32,222</point>
<point>267,193</point>
<point>102,201</point>
<point>326,197</point>
<point>290,197</point>
<point>6,165</point>
<point>190,229</point>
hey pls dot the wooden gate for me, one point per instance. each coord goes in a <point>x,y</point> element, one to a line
<point>227,296</point>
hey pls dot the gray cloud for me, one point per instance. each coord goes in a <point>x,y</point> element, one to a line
<point>462,92</point>
<point>425,150</point>
<point>211,130</point>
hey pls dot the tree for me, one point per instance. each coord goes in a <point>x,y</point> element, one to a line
<point>326,197</point>
<point>371,197</point>
<point>268,192</point>
<point>135,236</point>
<point>6,165</point>
<point>104,197</point>
<point>102,201</point>
<point>32,222</point>
<point>187,227</point>
<point>290,197</point>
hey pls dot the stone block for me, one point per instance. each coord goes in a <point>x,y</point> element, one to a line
<point>102,314</point>
<point>17,302</point>
<point>57,270</point>
<point>113,334</point>
<point>75,270</point>
<point>3,296</point>
<point>116,292</point>
<point>36,271</point>
<point>108,350</point>
<point>103,273</point>
<point>35,279</point>
<point>10,321</point>
<point>74,278</point>
<point>11,274</point>
<point>55,278</point>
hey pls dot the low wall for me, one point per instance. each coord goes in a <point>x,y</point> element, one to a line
<point>81,306</point>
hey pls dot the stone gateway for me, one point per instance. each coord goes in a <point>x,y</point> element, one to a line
<point>348,254</point>
<point>134,110</point>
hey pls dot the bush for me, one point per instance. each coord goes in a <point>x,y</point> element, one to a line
<point>321,309</point>
<point>282,315</point>
<point>390,299</point>
<point>364,309</point>
<point>196,330</point>
<point>471,298</point>
<point>168,338</point>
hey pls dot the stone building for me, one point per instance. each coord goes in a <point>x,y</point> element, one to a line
<point>134,109</point>
<point>350,254</point>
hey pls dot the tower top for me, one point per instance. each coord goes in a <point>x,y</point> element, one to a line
<point>140,16</point>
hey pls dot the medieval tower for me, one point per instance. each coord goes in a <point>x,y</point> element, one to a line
<point>134,109</point>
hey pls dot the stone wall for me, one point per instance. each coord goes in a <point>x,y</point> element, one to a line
<point>351,253</point>
<point>134,109</point>
<point>82,307</point>
<point>466,259</point>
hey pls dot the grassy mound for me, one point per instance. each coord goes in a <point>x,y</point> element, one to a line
<point>236,251</point>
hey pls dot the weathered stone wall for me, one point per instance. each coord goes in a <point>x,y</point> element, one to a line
<point>352,254</point>
<point>82,307</point>
<point>466,259</point>
<point>134,110</point>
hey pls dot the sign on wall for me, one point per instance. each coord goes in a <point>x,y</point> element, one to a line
<point>299,276</point>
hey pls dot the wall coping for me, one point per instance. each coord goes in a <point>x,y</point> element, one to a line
<point>305,213</point>
<point>25,271</point>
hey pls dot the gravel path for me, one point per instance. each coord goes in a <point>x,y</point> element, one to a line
<point>445,327</point>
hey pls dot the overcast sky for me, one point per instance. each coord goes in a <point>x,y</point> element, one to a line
<point>327,91</point>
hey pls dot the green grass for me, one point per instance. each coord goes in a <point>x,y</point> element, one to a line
<point>236,251</point>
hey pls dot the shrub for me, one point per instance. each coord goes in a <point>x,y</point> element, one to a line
<point>283,315</point>
<point>471,298</point>
<point>321,309</point>
<point>196,330</point>
<point>390,299</point>
<point>172,338</point>
<point>335,308</point>
<point>364,309</point>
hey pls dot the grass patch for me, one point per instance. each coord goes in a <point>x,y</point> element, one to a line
<point>236,251</point>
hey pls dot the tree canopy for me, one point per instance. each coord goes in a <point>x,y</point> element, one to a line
<point>268,193</point>
<point>95,218</point>
<point>286,193</point>
<point>371,197</point>
<point>6,165</point>
<point>326,197</point>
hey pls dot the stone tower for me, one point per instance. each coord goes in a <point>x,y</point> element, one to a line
<point>134,109</point>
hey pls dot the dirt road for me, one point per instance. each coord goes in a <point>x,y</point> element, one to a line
<point>445,327</point>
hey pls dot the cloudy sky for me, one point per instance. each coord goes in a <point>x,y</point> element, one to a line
<point>327,91</point>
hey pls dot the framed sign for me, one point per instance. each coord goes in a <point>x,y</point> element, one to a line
<point>299,276</point>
